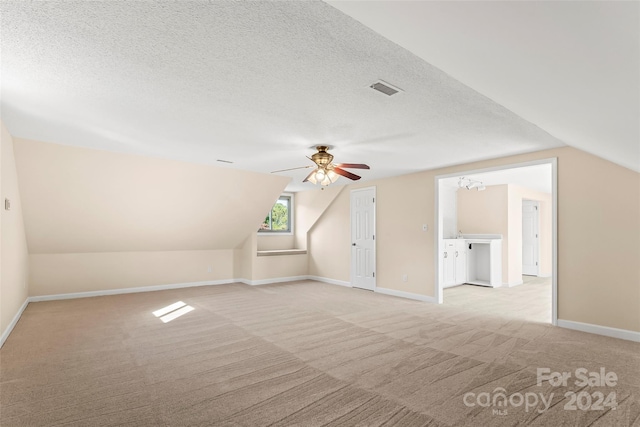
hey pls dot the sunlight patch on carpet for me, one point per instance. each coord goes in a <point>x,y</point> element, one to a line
<point>173,311</point>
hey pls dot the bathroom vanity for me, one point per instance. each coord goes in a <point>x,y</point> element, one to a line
<point>475,259</point>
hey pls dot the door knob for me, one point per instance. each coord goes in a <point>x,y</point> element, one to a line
<point>353,244</point>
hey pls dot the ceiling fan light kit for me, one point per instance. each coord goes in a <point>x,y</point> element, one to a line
<point>323,177</point>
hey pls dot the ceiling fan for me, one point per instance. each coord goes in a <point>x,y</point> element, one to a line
<point>325,172</point>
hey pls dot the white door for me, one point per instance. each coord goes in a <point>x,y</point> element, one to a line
<point>363,234</point>
<point>530,237</point>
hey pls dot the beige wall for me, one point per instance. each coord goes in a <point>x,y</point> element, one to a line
<point>487,212</point>
<point>280,266</point>
<point>598,236</point>
<point>88,212</point>
<point>98,220</point>
<point>498,210</point>
<point>52,274</point>
<point>269,242</point>
<point>247,253</point>
<point>599,206</point>
<point>14,258</point>
<point>403,204</point>
<point>79,200</point>
<point>329,241</point>
<point>310,205</point>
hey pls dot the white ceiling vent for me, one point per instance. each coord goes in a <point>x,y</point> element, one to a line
<point>386,88</point>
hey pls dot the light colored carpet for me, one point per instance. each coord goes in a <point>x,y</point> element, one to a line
<point>530,301</point>
<point>301,353</point>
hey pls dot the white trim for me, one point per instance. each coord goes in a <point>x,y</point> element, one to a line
<point>14,322</point>
<point>153,288</point>
<point>554,245</point>
<point>438,289</point>
<point>274,280</point>
<point>622,334</point>
<point>330,281</point>
<point>553,161</point>
<point>403,294</point>
<point>129,290</point>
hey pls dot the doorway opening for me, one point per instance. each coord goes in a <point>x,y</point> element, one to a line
<point>496,240</point>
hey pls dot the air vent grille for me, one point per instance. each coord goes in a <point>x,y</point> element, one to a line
<point>386,88</point>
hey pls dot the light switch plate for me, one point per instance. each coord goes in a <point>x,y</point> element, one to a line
<point>425,227</point>
<point>7,204</point>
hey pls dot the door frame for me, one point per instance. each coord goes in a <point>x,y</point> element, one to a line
<point>536,203</point>
<point>375,242</point>
<point>553,161</point>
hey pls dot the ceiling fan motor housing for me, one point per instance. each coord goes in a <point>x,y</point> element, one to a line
<point>322,158</point>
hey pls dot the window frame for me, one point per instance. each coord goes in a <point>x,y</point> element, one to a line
<point>290,209</point>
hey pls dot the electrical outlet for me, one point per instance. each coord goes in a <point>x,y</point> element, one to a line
<point>209,269</point>
<point>405,277</point>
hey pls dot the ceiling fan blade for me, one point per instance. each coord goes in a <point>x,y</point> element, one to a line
<point>353,166</point>
<point>309,176</point>
<point>346,174</point>
<point>292,169</point>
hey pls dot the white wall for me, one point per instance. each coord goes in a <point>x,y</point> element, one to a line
<point>449,208</point>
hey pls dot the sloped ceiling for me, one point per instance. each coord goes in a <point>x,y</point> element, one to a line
<point>80,200</point>
<point>570,67</point>
<point>256,83</point>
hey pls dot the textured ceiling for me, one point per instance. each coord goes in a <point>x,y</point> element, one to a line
<point>256,83</point>
<point>571,67</point>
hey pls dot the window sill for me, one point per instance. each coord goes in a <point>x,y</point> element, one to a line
<point>283,252</point>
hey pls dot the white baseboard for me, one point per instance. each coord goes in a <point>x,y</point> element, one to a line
<point>403,294</point>
<point>13,323</point>
<point>330,281</point>
<point>129,290</point>
<point>270,281</point>
<point>623,334</point>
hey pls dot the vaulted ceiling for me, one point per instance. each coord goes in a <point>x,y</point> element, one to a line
<point>259,83</point>
<point>572,67</point>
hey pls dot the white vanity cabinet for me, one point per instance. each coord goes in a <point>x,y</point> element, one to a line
<point>475,259</point>
<point>454,262</point>
<point>484,260</point>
